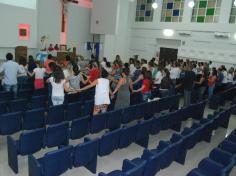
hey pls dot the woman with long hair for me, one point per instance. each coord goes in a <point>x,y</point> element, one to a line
<point>122,90</point>
<point>102,93</point>
<point>146,86</point>
<point>59,85</point>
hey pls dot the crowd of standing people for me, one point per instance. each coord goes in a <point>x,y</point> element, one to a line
<point>117,84</point>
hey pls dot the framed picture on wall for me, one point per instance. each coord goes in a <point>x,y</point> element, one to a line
<point>24,31</point>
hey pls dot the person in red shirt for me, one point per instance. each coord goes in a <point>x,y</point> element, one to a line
<point>146,86</point>
<point>94,73</point>
<point>50,48</point>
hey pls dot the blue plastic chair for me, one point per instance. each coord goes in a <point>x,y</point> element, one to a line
<point>3,107</point>
<point>55,114</point>
<point>128,169</point>
<point>38,102</point>
<point>88,108</point>
<point>18,105</point>
<point>28,143</point>
<point>153,162</point>
<point>34,119</point>
<point>142,135</point>
<point>109,142</point>
<point>86,154</point>
<point>79,128</point>
<point>128,136</point>
<point>114,119</point>
<point>51,164</point>
<point>98,123</point>
<point>10,123</point>
<point>57,135</point>
<point>73,111</point>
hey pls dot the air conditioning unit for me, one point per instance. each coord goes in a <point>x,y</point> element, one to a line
<point>222,35</point>
<point>185,34</point>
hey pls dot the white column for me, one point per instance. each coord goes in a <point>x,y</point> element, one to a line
<point>225,11</point>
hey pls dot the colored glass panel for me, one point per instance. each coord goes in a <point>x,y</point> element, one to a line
<point>172,10</point>
<point>206,11</point>
<point>232,18</point>
<point>144,11</point>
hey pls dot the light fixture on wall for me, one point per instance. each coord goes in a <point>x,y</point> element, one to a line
<point>155,4</point>
<point>191,4</point>
<point>234,2</point>
<point>168,32</point>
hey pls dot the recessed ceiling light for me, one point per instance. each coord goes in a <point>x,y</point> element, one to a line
<point>191,4</point>
<point>154,5</point>
<point>168,32</point>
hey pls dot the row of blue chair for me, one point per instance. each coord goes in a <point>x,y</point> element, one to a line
<point>221,97</point>
<point>14,122</point>
<point>221,160</point>
<point>176,149</point>
<point>120,138</point>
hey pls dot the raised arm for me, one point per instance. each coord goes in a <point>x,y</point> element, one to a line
<point>93,84</point>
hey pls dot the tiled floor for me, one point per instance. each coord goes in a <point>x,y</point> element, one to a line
<point>114,160</point>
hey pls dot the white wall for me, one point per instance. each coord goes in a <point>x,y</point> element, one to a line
<point>10,18</point>
<point>79,28</point>
<point>201,44</point>
<point>119,43</point>
<point>104,17</point>
<point>49,20</point>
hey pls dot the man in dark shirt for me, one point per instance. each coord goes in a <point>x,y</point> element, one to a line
<point>188,84</point>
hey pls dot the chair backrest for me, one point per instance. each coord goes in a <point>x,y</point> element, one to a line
<point>86,152</point>
<point>109,142</point>
<point>31,141</point>
<point>128,136</point>
<point>18,105</point>
<point>73,111</point>
<point>10,123</point>
<point>57,135</point>
<point>98,123</point>
<point>114,119</point>
<point>57,162</point>
<point>79,127</point>
<point>220,156</point>
<point>3,107</point>
<point>88,108</point>
<point>38,101</point>
<point>129,114</point>
<point>138,170</point>
<point>24,94</point>
<point>55,114</point>
<point>34,119</point>
<point>6,96</point>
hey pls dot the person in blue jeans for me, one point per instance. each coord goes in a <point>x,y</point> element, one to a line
<point>10,69</point>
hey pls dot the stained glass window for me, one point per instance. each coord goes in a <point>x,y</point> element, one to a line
<point>144,11</point>
<point>233,14</point>
<point>206,11</point>
<point>172,10</point>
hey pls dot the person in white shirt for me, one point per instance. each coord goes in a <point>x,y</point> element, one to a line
<point>102,92</point>
<point>174,73</point>
<point>158,78</point>
<point>230,76</point>
<point>10,70</point>
<point>59,85</point>
<point>131,66</point>
<point>39,73</point>
<point>225,79</point>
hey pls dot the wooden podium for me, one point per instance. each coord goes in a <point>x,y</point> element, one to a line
<point>20,51</point>
<point>61,55</point>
